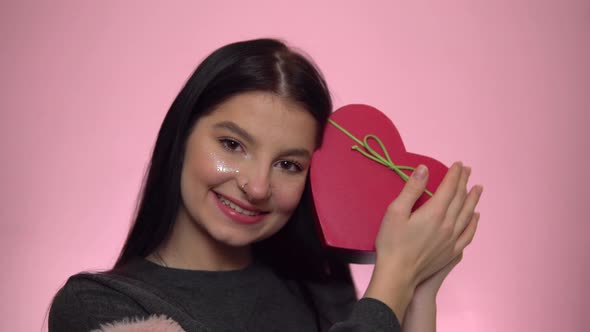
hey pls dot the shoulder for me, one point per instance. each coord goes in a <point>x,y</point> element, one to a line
<point>88,300</point>
<point>89,289</point>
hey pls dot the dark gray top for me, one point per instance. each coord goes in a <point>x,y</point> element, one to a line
<point>252,299</point>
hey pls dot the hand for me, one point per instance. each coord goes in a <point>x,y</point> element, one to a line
<point>413,246</point>
<point>465,226</point>
<point>427,240</point>
<point>429,288</point>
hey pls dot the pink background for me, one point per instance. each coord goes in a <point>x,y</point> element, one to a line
<point>502,85</point>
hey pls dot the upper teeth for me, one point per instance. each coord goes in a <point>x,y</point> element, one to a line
<point>237,208</point>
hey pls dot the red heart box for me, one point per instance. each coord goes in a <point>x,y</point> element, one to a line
<point>350,191</point>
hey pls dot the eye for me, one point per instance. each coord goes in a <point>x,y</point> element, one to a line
<point>230,144</point>
<point>290,166</point>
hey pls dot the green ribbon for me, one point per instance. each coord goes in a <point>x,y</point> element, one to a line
<point>374,155</point>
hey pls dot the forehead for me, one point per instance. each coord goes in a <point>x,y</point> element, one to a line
<point>268,117</point>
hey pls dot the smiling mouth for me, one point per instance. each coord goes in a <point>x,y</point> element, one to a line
<point>237,208</point>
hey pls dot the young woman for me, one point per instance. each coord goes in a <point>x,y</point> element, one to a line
<point>223,238</point>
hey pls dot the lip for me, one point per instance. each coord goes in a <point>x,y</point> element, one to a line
<point>235,215</point>
<point>243,205</point>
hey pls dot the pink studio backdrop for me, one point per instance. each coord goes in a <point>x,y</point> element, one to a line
<point>502,85</point>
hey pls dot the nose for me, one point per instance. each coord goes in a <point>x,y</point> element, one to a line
<point>256,182</point>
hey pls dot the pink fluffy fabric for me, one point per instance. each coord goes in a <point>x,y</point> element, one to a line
<point>151,324</point>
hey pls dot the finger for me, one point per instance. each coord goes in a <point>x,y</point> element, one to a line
<point>447,188</point>
<point>460,194</point>
<point>467,236</point>
<point>456,260</point>
<point>451,265</point>
<point>411,192</point>
<point>466,213</point>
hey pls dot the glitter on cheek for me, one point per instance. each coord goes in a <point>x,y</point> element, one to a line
<point>222,166</point>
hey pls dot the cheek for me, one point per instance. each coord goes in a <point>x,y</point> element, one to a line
<point>287,196</point>
<point>206,170</point>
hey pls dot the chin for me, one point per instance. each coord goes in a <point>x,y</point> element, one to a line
<point>238,239</point>
<point>237,243</point>
<point>233,238</point>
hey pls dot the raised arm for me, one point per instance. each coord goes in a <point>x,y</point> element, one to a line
<point>421,313</point>
<point>411,247</point>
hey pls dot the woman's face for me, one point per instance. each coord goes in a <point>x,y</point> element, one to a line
<point>245,167</point>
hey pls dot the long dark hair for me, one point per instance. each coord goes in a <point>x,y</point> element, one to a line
<point>267,65</point>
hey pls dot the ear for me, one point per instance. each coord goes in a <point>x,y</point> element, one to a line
<point>153,323</point>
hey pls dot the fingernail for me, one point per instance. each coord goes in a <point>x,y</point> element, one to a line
<point>476,216</point>
<point>420,172</point>
<point>468,171</point>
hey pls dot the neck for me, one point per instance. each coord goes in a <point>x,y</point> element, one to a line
<point>190,247</point>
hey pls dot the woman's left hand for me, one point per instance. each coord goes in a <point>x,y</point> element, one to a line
<point>429,287</point>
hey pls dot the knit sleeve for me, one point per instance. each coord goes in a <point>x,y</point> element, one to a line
<point>83,305</point>
<point>369,314</point>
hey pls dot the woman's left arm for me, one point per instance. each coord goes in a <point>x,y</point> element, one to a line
<point>421,313</point>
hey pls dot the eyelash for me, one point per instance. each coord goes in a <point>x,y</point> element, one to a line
<point>225,143</point>
<point>298,167</point>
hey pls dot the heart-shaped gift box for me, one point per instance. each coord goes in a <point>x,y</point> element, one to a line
<point>352,187</point>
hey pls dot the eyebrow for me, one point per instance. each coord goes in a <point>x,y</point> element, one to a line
<point>231,126</point>
<point>296,153</point>
<point>236,130</point>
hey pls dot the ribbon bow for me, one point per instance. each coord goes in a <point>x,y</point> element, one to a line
<point>374,155</point>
